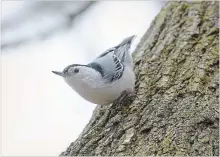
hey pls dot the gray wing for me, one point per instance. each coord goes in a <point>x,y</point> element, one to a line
<point>113,60</point>
<point>111,67</point>
<point>121,51</point>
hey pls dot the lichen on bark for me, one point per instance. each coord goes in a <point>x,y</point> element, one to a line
<point>176,110</point>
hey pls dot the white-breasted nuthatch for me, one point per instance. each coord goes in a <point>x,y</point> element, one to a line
<point>103,80</point>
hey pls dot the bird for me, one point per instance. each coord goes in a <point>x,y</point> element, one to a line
<point>107,78</point>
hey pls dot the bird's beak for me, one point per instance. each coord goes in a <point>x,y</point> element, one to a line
<point>58,73</point>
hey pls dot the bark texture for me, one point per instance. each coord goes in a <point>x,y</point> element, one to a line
<point>177,108</point>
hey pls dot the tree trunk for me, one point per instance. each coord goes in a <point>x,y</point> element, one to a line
<point>176,108</point>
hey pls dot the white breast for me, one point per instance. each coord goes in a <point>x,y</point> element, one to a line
<point>107,94</point>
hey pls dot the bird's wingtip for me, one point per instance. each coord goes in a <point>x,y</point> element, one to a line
<point>128,40</point>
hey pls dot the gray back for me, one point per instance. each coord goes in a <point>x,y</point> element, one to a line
<point>113,61</point>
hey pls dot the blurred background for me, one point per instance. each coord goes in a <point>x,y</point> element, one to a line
<point>41,114</point>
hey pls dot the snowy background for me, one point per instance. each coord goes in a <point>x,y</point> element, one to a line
<point>41,114</point>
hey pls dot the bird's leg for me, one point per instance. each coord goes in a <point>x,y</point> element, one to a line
<point>126,97</point>
<point>123,95</point>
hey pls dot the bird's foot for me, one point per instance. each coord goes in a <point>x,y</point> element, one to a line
<point>126,98</point>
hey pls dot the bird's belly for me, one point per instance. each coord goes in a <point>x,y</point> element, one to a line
<point>101,96</point>
<point>110,92</point>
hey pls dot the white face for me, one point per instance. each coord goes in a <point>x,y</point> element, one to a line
<point>81,74</point>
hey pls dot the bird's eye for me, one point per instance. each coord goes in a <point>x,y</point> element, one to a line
<point>76,70</point>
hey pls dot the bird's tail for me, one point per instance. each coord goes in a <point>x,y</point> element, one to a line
<point>122,50</point>
<point>127,40</point>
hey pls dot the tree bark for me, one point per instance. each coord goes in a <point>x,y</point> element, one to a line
<point>176,108</point>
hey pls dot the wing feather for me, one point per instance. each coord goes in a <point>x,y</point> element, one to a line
<point>113,60</point>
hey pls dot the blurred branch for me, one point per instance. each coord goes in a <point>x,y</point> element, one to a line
<point>41,19</point>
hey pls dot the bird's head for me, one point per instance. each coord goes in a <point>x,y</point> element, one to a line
<point>77,73</point>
